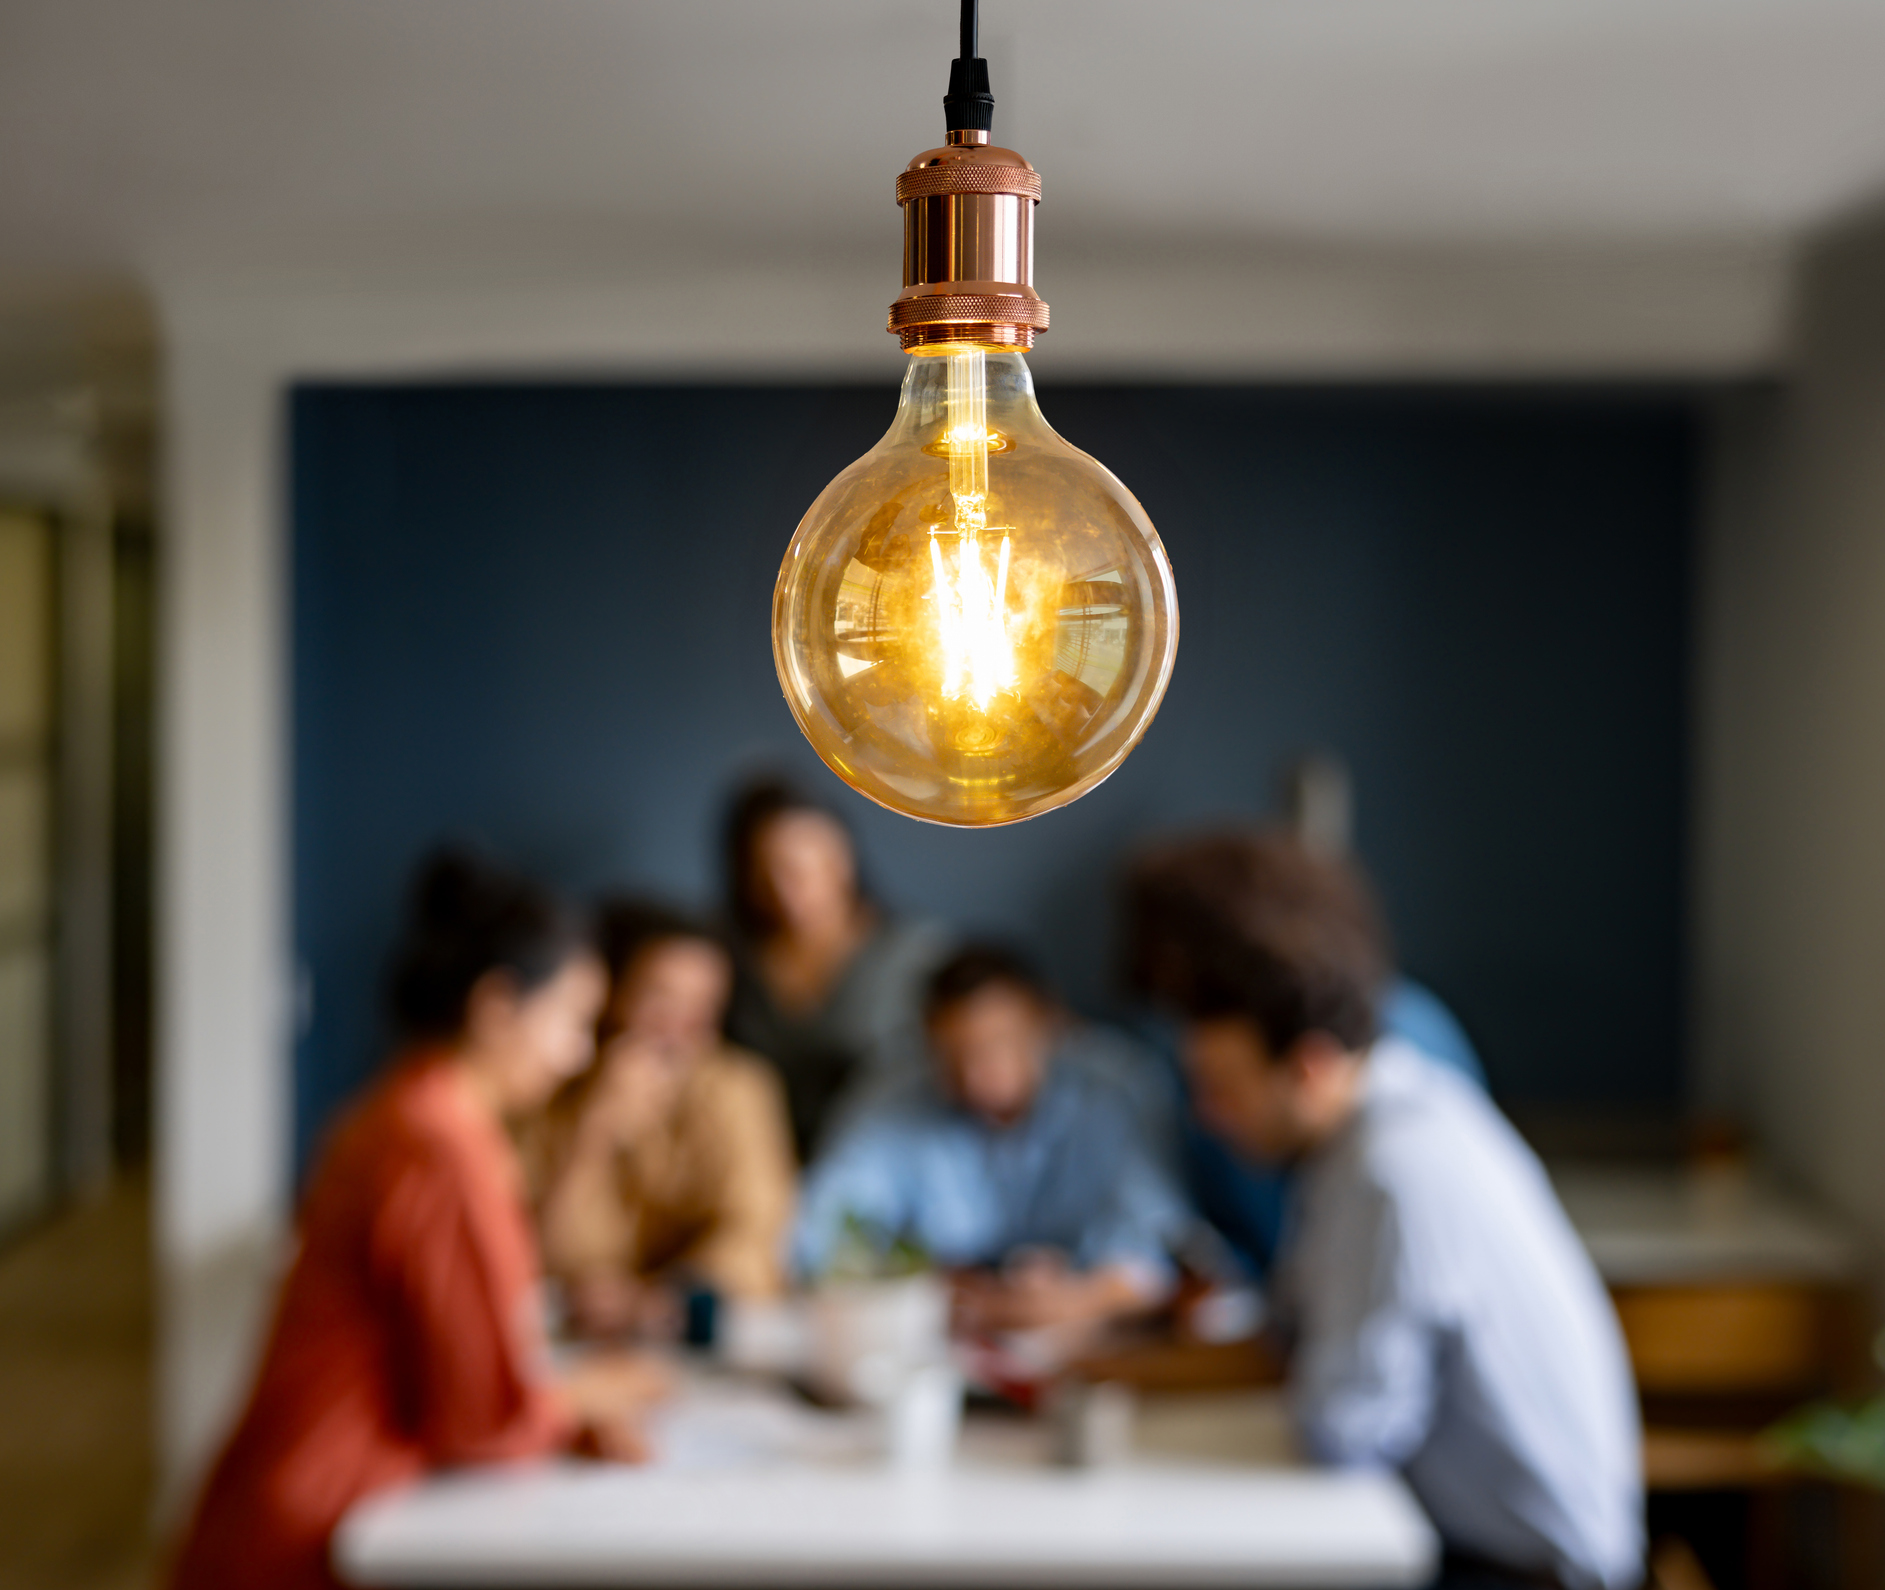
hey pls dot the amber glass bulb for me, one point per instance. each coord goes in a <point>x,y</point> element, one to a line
<point>975,622</point>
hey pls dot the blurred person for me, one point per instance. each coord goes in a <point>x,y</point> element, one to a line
<point>1022,1159</point>
<point>1248,1203</point>
<point>407,1336</point>
<point>830,985</point>
<point>669,1165</point>
<point>1439,1313</point>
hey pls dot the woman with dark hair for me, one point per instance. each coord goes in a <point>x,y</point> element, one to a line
<point>830,987</point>
<point>406,1336</point>
<point>667,1167</point>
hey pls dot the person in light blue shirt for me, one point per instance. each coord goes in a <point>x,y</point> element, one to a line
<point>1026,1160</point>
<point>1438,1313</point>
<point>1247,1203</point>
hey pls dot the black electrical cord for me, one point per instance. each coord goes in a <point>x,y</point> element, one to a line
<point>969,104</point>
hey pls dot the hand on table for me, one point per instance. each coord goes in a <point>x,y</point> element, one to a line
<point>1037,1290</point>
<point>608,1303</point>
<point>610,1393</point>
<point>615,1441</point>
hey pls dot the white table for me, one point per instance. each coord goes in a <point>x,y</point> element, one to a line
<point>754,1491</point>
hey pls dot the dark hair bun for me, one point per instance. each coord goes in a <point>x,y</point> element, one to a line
<point>467,917</point>
<point>453,885</point>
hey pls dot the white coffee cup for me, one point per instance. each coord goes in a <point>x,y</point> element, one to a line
<point>923,1418</point>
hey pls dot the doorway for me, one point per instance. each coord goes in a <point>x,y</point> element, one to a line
<point>28,750</point>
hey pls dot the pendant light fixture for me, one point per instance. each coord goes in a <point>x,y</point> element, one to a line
<point>975,622</point>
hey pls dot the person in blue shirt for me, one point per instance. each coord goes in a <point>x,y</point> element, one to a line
<point>1436,1310</point>
<point>1024,1160</point>
<point>1414,1013</point>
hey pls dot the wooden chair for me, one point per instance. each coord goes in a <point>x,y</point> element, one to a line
<point>1716,1364</point>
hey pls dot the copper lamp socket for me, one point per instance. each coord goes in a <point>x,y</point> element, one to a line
<point>968,247</point>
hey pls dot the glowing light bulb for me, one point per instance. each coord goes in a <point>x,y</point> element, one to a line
<point>975,622</point>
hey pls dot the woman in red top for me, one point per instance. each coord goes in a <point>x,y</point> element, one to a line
<point>407,1336</point>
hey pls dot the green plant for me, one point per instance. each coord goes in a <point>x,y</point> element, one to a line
<point>868,1251</point>
<point>1836,1442</point>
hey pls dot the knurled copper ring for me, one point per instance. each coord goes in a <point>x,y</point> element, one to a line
<point>968,176</point>
<point>932,309</point>
<point>989,334</point>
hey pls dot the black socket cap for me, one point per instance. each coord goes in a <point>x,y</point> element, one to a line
<point>968,102</point>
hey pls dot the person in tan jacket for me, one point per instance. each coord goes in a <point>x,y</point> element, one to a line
<point>669,1166</point>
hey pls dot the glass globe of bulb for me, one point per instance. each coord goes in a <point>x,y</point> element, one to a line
<point>975,622</point>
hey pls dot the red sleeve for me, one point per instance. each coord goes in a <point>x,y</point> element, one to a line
<point>468,1361</point>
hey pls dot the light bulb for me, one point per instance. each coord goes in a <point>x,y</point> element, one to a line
<point>975,622</point>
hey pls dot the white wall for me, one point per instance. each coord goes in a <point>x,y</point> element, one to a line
<point>1791,758</point>
<point>220,1100</point>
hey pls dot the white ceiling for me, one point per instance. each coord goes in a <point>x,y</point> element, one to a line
<point>135,134</point>
<point>134,125</point>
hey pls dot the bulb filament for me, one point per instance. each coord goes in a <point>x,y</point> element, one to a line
<point>978,653</point>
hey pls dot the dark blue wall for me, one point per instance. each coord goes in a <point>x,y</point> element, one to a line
<point>538,615</point>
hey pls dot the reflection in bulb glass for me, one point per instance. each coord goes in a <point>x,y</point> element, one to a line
<point>975,622</point>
